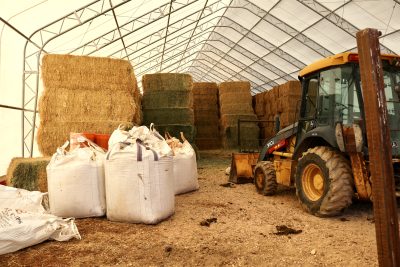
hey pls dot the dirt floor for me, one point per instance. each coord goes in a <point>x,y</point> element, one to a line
<point>218,226</point>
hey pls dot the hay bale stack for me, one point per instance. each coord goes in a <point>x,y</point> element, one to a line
<point>168,103</point>
<point>281,101</point>
<point>85,94</point>
<point>28,173</point>
<point>206,120</point>
<point>236,103</point>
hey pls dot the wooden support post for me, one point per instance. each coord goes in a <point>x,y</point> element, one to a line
<point>379,148</point>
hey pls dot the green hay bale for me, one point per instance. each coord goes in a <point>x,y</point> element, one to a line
<point>167,99</point>
<point>167,82</point>
<point>208,143</point>
<point>168,116</point>
<point>249,135</point>
<point>28,173</point>
<point>234,87</point>
<point>205,88</point>
<point>234,108</point>
<point>232,119</point>
<point>188,130</point>
<point>53,135</point>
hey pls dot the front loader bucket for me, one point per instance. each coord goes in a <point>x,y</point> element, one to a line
<point>242,167</point>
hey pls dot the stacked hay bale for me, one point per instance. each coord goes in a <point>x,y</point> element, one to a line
<point>279,102</point>
<point>85,94</point>
<point>168,103</point>
<point>260,110</point>
<point>236,103</point>
<point>206,119</point>
<point>28,173</point>
<point>289,96</point>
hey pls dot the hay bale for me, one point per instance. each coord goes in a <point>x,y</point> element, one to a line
<point>169,116</point>
<point>232,119</point>
<point>52,135</point>
<point>205,88</point>
<point>28,173</point>
<point>229,98</point>
<point>167,99</point>
<point>174,129</point>
<point>208,143</point>
<point>70,105</point>
<point>259,104</point>
<point>234,108</point>
<point>234,87</point>
<point>207,131</point>
<point>87,91</point>
<point>167,82</point>
<point>249,135</point>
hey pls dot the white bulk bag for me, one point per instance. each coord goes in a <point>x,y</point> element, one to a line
<point>139,184</point>
<point>23,221</point>
<point>76,182</point>
<point>151,138</point>
<point>16,198</point>
<point>118,135</point>
<point>185,165</point>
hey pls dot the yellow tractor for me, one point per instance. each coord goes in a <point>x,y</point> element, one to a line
<point>324,155</point>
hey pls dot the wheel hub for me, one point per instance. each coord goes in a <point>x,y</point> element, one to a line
<point>313,182</point>
<point>259,179</point>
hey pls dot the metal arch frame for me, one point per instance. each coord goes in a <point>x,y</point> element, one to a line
<point>340,22</point>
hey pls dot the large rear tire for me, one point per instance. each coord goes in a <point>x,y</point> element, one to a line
<point>265,178</point>
<point>324,181</point>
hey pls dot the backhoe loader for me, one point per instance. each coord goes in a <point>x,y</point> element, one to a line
<point>324,155</point>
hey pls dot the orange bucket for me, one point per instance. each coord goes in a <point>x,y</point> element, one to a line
<point>102,140</point>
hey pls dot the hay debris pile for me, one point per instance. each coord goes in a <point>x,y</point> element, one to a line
<point>236,103</point>
<point>85,94</point>
<point>281,101</point>
<point>206,119</point>
<point>168,103</point>
<point>28,173</point>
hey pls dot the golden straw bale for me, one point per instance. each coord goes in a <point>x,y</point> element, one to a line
<point>232,119</point>
<point>205,88</point>
<point>85,105</point>
<point>167,81</point>
<point>28,173</point>
<point>237,98</point>
<point>234,108</point>
<point>89,73</point>
<point>85,94</point>
<point>234,87</point>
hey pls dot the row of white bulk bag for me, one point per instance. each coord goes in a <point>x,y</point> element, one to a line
<point>76,182</point>
<point>24,222</point>
<point>139,182</point>
<point>185,165</point>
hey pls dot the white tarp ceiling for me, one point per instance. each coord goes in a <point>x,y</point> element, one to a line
<point>265,42</point>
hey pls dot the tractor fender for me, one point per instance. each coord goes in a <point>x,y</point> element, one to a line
<point>321,136</point>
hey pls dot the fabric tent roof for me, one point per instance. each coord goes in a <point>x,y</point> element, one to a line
<point>265,42</point>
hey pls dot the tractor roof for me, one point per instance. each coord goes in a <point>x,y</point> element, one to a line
<point>338,59</point>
